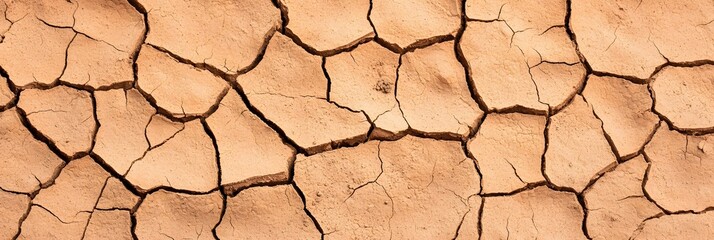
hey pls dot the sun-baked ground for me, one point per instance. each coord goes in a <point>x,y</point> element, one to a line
<point>363,119</point>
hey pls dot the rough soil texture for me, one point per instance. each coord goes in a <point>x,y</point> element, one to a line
<point>537,213</point>
<point>538,66</point>
<point>642,35</point>
<point>255,212</point>
<point>618,202</point>
<point>625,111</point>
<point>165,214</point>
<point>577,148</point>
<point>179,89</point>
<point>381,119</point>
<point>509,148</point>
<point>681,169</point>
<point>62,114</point>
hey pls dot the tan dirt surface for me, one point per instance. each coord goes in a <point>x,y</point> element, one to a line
<point>26,56</point>
<point>509,149</point>
<point>289,84</point>
<point>431,94</point>
<point>342,183</point>
<point>165,214</point>
<point>682,226</point>
<point>363,119</point>
<point>62,114</point>
<point>41,224</point>
<point>123,117</point>
<point>74,193</point>
<point>250,151</point>
<point>14,206</point>
<point>405,24</point>
<point>538,213</point>
<point>26,168</point>
<point>327,26</point>
<point>365,79</point>
<point>114,22</point>
<point>116,196</point>
<point>112,224</point>
<point>97,64</point>
<point>178,88</point>
<point>256,213</point>
<point>187,161</point>
<point>226,35</point>
<point>577,150</point>
<point>516,51</point>
<point>161,129</point>
<point>634,38</point>
<point>6,95</point>
<point>682,168</point>
<point>683,94</point>
<point>427,180</point>
<point>618,203</point>
<point>625,111</point>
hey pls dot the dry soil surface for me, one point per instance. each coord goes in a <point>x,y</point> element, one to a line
<point>361,119</point>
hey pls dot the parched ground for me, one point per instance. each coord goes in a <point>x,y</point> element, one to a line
<point>360,119</point>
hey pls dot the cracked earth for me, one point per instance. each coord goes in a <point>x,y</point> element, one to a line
<point>364,119</point>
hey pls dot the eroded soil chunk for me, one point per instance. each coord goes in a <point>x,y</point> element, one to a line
<point>521,57</point>
<point>41,224</point>
<point>433,95</point>
<point>508,149</point>
<point>428,181</point>
<point>340,192</point>
<point>616,203</point>
<point>6,95</point>
<point>115,22</point>
<point>13,208</point>
<point>289,84</point>
<point>633,38</point>
<point>166,214</point>
<point>62,114</point>
<point>680,226</point>
<point>625,111</point>
<point>63,209</point>
<point>250,151</point>
<point>418,182</point>
<point>408,23</point>
<point>123,117</point>
<point>681,172</point>
<point>75,192</point>
<point>684,96</point>
<point>329,25</point>
<point>470,224</point>
<point>180,89</point>
<point>55,13</point>
<point>227,35</point>
<point>365,79</point>
<point>161,129</point>
<point>577,149</point>
<point>111,224</point>
<point>97,64</point>
<point>34,53</point>
<point>116,196</point>
<point>187,161</point>
<point>27,163</point>
<point>540,213</point>
<point>266,213</point>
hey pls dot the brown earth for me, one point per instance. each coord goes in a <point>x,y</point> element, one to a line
<point>364,119</point>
